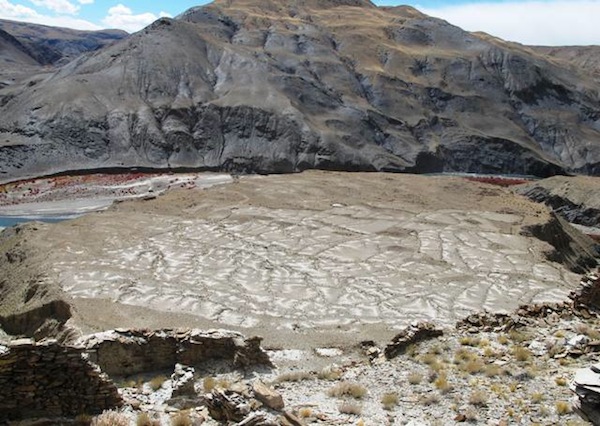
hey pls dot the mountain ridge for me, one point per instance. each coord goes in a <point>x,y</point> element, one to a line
<point>271,86</point>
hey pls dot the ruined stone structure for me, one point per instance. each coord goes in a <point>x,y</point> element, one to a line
<point>51,380</point>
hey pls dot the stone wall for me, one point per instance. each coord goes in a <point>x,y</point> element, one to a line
<point>127,352</point>
<point>51,380</point>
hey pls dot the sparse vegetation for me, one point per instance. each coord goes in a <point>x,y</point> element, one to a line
<point>354,390</point>
<point>537,397</point>
<point>144,419</point>
<point>182,418</point>
<point>561,381</point>
<point>157,382</point>
<point>442,384</point>
<point>389,400</point>
<point>294,376</point>
<point>305,412</point>
<point>330,373</point>
<point>415,378</point>
<point>562,408</point>
<point>521,353</point>
<point>348,407</point>
<point>429,399</point>
<point>478,398</point>
<point>110,418</point>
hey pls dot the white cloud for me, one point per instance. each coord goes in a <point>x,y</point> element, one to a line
<point>17,12</point>
<point>551,23</point>
<point>85,1</point>
<point>122,17</point>
<point>58,6</point>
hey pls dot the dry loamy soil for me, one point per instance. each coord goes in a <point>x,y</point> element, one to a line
<point>302,259</point>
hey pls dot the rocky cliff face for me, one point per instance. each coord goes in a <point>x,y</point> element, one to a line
<point>277,86</point>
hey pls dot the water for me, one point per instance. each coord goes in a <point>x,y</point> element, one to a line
<point>7,221</point>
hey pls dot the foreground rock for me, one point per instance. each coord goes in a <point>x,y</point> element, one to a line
<point>278,86</point>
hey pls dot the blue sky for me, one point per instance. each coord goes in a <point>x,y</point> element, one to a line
<point>541,22</point>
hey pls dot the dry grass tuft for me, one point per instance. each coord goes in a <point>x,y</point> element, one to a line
<point>354,390</point>
<point>305,413</point>
<point>415,378</point>
<point>110,418</point>
<point>478,399</point>
<point>521,353</point>
<point>294,376</point>
<point>182,418</point>
<point>389,400</point>
<point>562,408</point>
<point>330,373</point>
<point>348,407</point>
<point>561,381</point>
<point>144,419</point>
<point>157,382</point>
<point>470,341</point>
<point>430,399</point>
<point>442,384</point>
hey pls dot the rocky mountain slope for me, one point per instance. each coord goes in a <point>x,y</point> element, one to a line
<point>53,45</point>
<point>281,86</point>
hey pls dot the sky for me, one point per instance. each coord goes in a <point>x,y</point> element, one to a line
<point>535,22</point>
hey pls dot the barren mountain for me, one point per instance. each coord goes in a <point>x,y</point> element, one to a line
<point>52,45</point>
<point>281,86</point>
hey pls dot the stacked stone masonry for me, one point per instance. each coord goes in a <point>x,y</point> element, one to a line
<point>50,380</point>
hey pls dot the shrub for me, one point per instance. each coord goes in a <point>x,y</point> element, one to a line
<point>144,419</point>
<point>521,353</point>
<point>330,373</point>
<point>441,383</point>
<point>305,412</point>
<point>294,376</point>
<point>111,418</point>
<point>157,382</point>
<point>415,378</point>
<point>561,381</point>
<point>537,397</point>
<point>208,384</point>
<point>354,390</point>
<point>472,367</point>
<point>492,370</point>
<point>478,399</point>
<point>182,418</point>
<point>389,400</point>
<point>347,407</point>
<point>562,408</point>
<point>469,341</point>
<point>429,399</point>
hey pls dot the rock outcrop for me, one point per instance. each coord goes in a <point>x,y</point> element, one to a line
<point>127,352</point>
<point>570,247</point>
<point>280,86</point>
<point>577,199</point>
<point>412,334</point>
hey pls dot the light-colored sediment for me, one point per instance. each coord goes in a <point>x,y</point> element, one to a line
<point>307,254</point>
